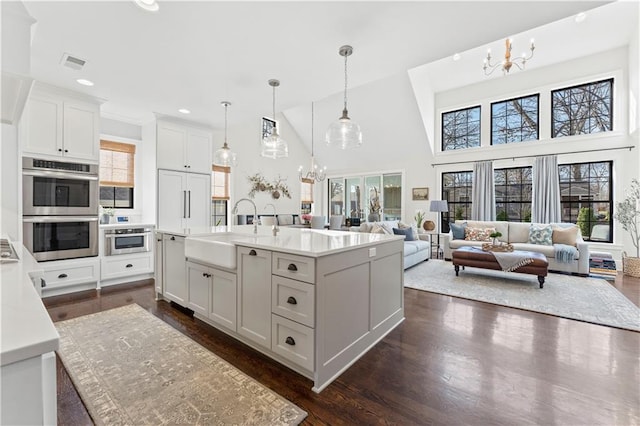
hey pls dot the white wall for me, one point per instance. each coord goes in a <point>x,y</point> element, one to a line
<point>10,202</point>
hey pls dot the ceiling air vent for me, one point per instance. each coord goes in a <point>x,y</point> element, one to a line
<point>72,62</point>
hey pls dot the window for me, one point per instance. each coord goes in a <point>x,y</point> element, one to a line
<point>513,194</point>
<point>587,198</point>
<point>392,196</point>
<point>364,197</point>
<point>336,196</point>
<point>514,120</point>
<point>219,194</point>
<point>461,129</point>
<point>306,195</point>
<point>456,189</point>
<point>116,174</point>
<point>583,109</point>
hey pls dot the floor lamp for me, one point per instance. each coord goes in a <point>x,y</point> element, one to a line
<point>439,206</point>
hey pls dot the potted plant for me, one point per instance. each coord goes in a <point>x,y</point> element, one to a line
<point>419,218</point>
<point>628,214</point>
<point>495,235</point>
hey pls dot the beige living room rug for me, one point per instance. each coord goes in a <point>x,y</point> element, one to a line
<point>131,368</point>
<point>585,299</point>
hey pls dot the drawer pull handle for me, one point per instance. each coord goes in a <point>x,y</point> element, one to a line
<point>173,238</point>
<point>43,283</point>
<point>292,300</point>
<point>253,253</point>
<point>62,276</point>
<point>204,274</point>
<point>129,265</point>
<point>292,267</point>
<point>289,341</point>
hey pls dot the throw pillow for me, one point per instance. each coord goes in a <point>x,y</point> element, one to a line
<point>541,235</point>
<point>478,234</point>
<point>567,235</point>
<point>413,227</point>
<point>408,233</point>
<point>457,229</point>
<point>377,229</point>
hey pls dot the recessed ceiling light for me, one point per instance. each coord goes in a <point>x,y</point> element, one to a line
<point>184,111</point>
<point>148,5</point>
<point>85,82</point>
<point>456,56</point>
<point>580,17</point>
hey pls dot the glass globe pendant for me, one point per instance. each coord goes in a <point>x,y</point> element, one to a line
<point>224,156</point>
<point>273,146</point>
<point>344,133</point>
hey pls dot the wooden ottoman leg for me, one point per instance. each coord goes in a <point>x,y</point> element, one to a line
<point>541,280</point>
<point>457,269</point>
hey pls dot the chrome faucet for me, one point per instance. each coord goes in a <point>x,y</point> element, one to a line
<point>255,212</point>
<point>274,228</point>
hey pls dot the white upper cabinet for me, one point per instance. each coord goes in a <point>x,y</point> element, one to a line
<point>183,148</point>
<point>57,126</point>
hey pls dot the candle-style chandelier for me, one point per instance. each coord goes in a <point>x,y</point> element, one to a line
<point>315,173</point>
<point>507,63</point>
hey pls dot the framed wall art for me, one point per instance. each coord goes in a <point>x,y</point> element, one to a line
<point>420,193</point>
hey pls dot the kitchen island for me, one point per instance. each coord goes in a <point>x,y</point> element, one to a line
<point>313,300</point>
<point>27,344</point>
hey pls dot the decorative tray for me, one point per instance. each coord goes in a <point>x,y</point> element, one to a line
<point>499,247</point>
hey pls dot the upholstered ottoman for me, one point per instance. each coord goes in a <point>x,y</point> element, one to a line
<point>471,256</point>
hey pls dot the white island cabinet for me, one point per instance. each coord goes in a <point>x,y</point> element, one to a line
<point>313,300</point>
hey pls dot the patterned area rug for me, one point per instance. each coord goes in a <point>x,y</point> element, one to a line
<point>585,299</point>
<point>131,368</point>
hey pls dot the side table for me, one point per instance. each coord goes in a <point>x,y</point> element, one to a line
<point>434,242</point>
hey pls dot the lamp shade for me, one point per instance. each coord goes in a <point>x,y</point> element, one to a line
<point>438,206</point>
<point>344,134</point>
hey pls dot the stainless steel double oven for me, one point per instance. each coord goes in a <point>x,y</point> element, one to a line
<point>60,209</point>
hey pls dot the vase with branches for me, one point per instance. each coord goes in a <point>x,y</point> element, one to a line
<point>628,214</point>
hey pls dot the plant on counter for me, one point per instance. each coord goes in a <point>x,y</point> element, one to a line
<point>260,184</point>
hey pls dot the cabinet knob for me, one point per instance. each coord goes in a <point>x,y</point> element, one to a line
<point>292,300</point>
<point>253,253</point>
<point>43,283</point>
<point>292,267</point>
<point>66,150</point>
<point>59,149</point>
<point>62,276</point>
<point>129,265</point>
<point>289,341</point>
<point>173,238</point>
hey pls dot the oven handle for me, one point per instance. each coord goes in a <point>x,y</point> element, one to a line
<point>51,219</point>
<point>141,234</point>
<point>63,175</point>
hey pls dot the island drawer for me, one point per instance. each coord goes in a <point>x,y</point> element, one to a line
<point>293,299</point>
<point>293,266</point>
<point>292,341</point>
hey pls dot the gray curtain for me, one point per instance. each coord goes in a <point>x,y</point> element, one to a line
<point>483,195</point>
<point>546,190</point>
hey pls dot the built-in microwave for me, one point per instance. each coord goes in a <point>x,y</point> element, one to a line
<point>59,188</point>
<point>127,240</point>
<point>60,237</point>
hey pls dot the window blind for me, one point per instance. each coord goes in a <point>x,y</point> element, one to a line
<point>117,164</point>
<point>220,182</point>
<point>306,191</point>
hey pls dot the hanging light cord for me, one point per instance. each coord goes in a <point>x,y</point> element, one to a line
<point>226,106</point>
<point>311,129</point>
<point>274,102</point>
<point>345,83</point>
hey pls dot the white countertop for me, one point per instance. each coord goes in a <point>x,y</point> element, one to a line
<point>126,225</point>
<point>27,329</point>
<point>302,241</point>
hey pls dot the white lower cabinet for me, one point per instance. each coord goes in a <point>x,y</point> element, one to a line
<point>174,273</point>
<point>254,295</point>
<point>159,277</point>
<point>61,275</point>
<point>293,341</point>
<point>126,265</point>
<point>212,294</point>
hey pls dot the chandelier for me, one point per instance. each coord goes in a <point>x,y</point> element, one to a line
<point>344,133</point>
<point>315,173</point>
<point>224,156</point>
<point>273,146</point>
<point>506,65</point>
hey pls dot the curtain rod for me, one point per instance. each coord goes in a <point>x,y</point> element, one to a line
<point>630,147</point>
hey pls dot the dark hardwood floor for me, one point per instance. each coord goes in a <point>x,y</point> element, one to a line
<point>452,361</point>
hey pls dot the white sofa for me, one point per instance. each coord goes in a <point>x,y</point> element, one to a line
<point>517,233</point>
<point>414,251</point>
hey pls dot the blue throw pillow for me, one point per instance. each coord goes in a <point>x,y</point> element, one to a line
<point>457,229</point>
<point>408,233</point>
<point>541,234</point>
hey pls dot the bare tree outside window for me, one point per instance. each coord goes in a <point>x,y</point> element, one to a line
<point>456,189</point>
<point>583,109</point>
<point>514,120</point>
<point>461,129</point>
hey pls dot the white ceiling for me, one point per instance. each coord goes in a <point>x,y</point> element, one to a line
<point>196,54</point>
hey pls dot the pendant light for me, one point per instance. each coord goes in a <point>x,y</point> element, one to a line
<point>224,156</point>
<point>315,173</point>
<point>344,133</point>
<point>273,146</point>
